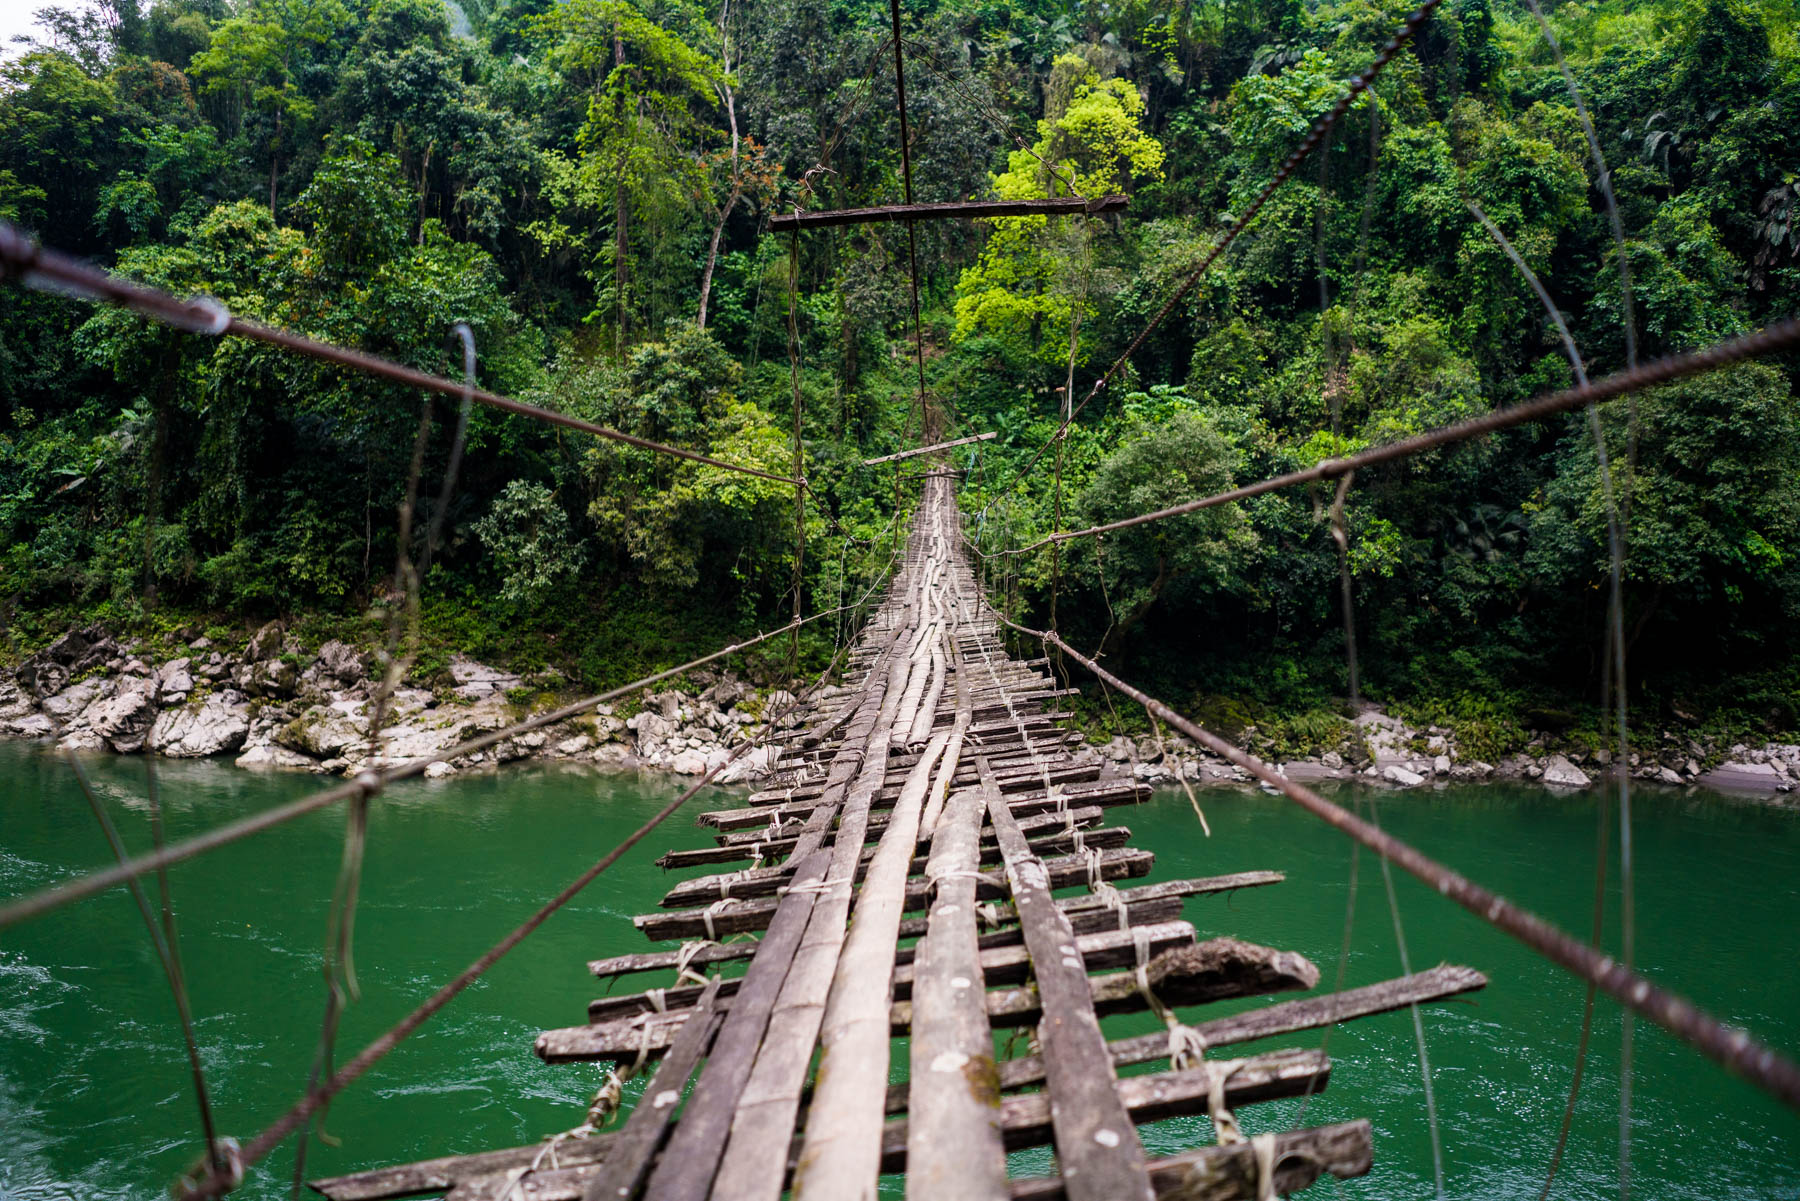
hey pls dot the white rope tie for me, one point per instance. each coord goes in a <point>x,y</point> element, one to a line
<point>1095,875</point>
<point>934,879</point>
<point>684,961</point>
<point>1186,1048</point>
<point>713,910</point>
<point>1263,1147</point>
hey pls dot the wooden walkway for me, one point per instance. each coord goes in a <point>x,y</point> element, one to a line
<point>887,909</point>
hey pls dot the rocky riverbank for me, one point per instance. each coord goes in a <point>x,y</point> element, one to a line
<point>273,703</point>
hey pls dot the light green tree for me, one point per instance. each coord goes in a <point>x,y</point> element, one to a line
<point>1028,283</point>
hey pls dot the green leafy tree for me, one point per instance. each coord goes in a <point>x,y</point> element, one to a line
<point>1029,281</point>
<point>257,57</point>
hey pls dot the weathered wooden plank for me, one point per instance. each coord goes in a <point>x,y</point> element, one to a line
<point>768,881</point>
<point>1119,864</point>
<point>448,1171</point>
<point>628,1160</point>
<point>1211,1173</point>
<point>1287,1017</point>
<point>841,1152</point>
<point>1229,1173</point>
<point>953,1146</point>
<point>1030,1119</point>
<point>1026,795</point>
<point>766,1109</point>
<point>1101,1157</point>
<point>693,1148</point>
<point>737,847</point>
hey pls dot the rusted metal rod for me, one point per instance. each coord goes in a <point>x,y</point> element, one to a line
<point>973,209</point>
<point>925,450</point>
<point>1783,335</point>
<point>50,270</point>
<point>1735,1049</point>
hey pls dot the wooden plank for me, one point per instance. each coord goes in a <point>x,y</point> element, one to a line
<point>1031,1119</point>
<point>841,1152</point>
<point>1140,901</point>
<point>765,1111</point>
<point>448,1171</point>
<point>693,1149</point>
<point>628,1160</point>
<point>769,881</point>
<point>1098,1147</point>
<point>954,1150</point>
<point>1228,1173</point>
<point>1287,1017</point>
<point>968,209</point>
<point>934,447</point>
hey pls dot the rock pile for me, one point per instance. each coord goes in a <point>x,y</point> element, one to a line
<point>275,705</point>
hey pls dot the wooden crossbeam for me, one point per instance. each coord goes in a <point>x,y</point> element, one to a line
<point>935,446</point>
<point>785,222</point>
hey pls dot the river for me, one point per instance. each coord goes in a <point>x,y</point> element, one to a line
<point>94,1095</point>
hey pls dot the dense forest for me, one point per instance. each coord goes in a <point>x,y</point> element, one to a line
<point>588,184</point>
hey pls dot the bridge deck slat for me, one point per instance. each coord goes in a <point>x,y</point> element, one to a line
<point>1096,1143</point>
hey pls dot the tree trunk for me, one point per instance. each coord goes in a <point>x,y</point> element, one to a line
<point>737,191</point>
<point>275,164</point>
<point>621,211</point>
<point>424,189</point>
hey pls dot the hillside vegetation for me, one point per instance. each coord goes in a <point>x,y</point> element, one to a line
<point>588,183</point>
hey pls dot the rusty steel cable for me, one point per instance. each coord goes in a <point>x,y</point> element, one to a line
<point>1783,335</point>
<point>50,270</point>
<point>366,784</point>
<point>219,1182</point>
<point>1316,135</point>
<point>162,941</point>
<point>1732,1048</point>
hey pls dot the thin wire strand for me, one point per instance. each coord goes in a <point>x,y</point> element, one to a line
<point>1431,1114</point>
<point>912,240</point>
<point>1615,692</point>
<point>165,955</point>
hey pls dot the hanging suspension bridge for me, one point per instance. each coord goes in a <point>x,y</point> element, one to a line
<point>897,955</point>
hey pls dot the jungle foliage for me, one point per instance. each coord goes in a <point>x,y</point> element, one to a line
<point>587,183</point>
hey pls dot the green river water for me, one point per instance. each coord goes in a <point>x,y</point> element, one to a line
<point>94,1097</point>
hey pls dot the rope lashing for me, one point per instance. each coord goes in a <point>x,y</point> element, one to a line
<point>1186,1048</point>
<point>713,910</point>
<point>684,961</point>
<point>989,915</point>
<point>818,888</point>
<point>603,1107</point>
<point>933,879</point>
